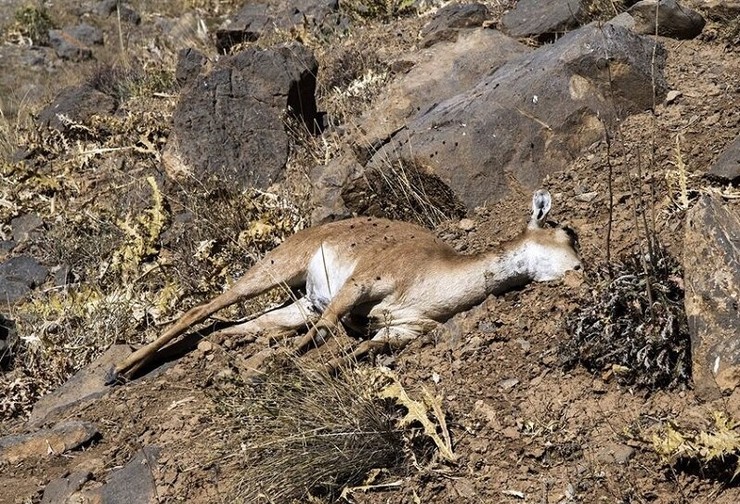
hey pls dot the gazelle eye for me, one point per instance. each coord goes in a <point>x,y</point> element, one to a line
<point>572,236</point>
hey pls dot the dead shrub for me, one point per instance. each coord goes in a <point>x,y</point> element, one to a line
<point>634,327</point>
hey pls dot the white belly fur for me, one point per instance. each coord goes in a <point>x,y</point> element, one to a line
<point>326,274</point>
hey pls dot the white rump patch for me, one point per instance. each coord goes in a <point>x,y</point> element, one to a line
<point>326,274</point>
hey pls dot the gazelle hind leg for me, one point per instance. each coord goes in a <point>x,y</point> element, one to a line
<point>278,267</point>
<point>293,316</point>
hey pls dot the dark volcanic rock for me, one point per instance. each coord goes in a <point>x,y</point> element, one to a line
<point>60,490</point>
<point>673,19</point>
<point>74,43</point>
<point>189,64</point>
<point>447,21</point>
<point>134,482</point>
<point>534,18</point>
<point>727,166</point>
<point>712,281</point>
<point>86,385</point>
<point>437,74</point>
<point>126,12</point>
<point>24,225</point>
<point>63,437</point>
<point>229,123</point>
<point>256,19</point>
<point>18,276</point>
<point>76,104</point>
<point>86,34</point>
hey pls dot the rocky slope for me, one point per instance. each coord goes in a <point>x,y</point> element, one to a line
<point>151,153</point>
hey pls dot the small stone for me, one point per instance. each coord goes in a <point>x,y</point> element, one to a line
<point>509,383</point>
<point>615,454</point>
<point>622,453</point>
<point>525,345</point>
<point>205,346</point>
<point>672,96</point>
<point>511,433</point>
<point>587,197</point>
<point>466,224</point>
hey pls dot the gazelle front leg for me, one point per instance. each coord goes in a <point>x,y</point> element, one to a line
<point>394,338</point>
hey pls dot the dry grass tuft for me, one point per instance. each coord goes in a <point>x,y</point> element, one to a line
<point>635,327</point>
<point>308,434</point>
<point>384,10</point>
<point>404,191</point>
<point>603,10</point>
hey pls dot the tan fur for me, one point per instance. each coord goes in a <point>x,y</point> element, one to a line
<point>399,279</point>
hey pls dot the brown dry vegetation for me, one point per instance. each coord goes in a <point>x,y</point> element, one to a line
<point>528,421</point>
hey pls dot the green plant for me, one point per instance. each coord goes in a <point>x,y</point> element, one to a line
<point>34,22</point>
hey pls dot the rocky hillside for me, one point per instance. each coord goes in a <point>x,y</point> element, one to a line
<point>151,152</point>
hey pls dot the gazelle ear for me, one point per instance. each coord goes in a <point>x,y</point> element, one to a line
<point>541,202</point>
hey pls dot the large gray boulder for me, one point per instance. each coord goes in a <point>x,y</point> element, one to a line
<point>532,116</point>
<point>436,74</point>
<point>534,18</point>
<point>727,165</point>
<point>712,280</point>
<point>229,123</point>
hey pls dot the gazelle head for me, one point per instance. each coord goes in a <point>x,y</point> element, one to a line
<point>549,251</point>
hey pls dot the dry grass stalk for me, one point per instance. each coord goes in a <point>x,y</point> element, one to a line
<point>307,433</point>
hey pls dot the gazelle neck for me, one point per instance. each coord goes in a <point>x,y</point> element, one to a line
<point>506,268</point>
